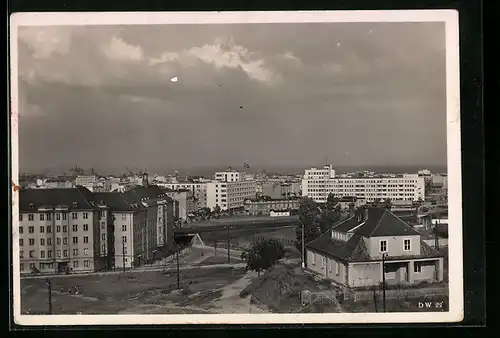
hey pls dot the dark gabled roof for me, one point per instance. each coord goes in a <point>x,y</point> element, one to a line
<point>55,197</point>
<point>138,193</point>
<point>114,200</point>
<point>382,222</point>
<point>352,250</point>
<point>347,224</point>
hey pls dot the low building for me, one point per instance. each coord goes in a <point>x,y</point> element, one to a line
<point>265,205</point>
<point>356,251</point>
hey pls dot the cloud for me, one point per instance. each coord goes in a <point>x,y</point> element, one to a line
<point>46,41</point>
<point>121,51</point>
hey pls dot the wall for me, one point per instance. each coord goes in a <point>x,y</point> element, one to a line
<point>395,245</point>
<point>326,267</point>
<point>428,271</point>
<point>365,274</point>
<point>121,219</point>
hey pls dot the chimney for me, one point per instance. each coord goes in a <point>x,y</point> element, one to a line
<point>145,182</point>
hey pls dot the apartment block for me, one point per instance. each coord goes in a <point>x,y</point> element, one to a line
<point>317,184</point>
<point>230,194</point>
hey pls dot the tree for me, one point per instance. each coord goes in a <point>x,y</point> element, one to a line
<point>309,214</point>
<point>217,209</point>
<point>263,255</point>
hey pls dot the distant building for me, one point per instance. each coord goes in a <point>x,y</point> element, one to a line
<point>317,184</point>
<point>229,175</point>
<point>86,181</point>
<point>265,206</point>
<point>352,253</point>
<point>198,190</point>
<point>54,183</point>
<point>186,201</point>
<point>230,190</point>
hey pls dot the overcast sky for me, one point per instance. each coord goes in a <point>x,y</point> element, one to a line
<point>101,97</point>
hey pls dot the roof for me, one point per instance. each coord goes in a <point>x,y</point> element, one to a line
<point>382,222</point>
<point>56,197</point>
<point>139,193</point>
<point>113,200</point>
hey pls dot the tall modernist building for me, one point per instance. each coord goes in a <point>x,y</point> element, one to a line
<point>77,230</point>
<point>229,190</point>
<point>318,183</point>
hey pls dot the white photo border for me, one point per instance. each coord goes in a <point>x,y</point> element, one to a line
<point>456,291</point>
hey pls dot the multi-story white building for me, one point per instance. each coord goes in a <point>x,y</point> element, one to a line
<point>86,181</point>
<point>231,191</point>
<point>185,199</point>
<point>319,183</point>
<point>198,190</point>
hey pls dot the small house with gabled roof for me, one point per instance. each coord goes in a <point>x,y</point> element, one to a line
<point>356,250</point>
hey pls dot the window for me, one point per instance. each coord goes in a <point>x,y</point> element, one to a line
<point>21,254</point>
<point>21,242</point>
<point>86,263</point>
<point>75,252</point>
<point>103,213</point>
<point>124,239</point>
<point>85,227</point>
<point>42,241</point>
<point>21,230</point>
<point>104,249</point>
<point>407,244</point>
<point>32,253</point>
<point>65,216</point>
<point>49,217</point>
<point>313,258</point>
<point>65,228</point>
<point>417,267</point>
<point>85,215</point>
<point>124,250</point>
<point>42,229</point>
<point>124,217</point>
<point>75,227</point>
<point>58,253</point>
<point>74,215</point>
<point>383,246</point>
<point>21,266</point>
<point>58,228</point>
<point>49,253</point>
<point>30,217</point>
<point>85,239</point>
<point>75,240</point>
<point>86,252</point>
<point>103,236</point>
<point>124,227</point>
<point>75,264</point>
<point>31,229</point>
<point>58,216</point>
<point>42,217</point>
<point>65,240</point>
<point>49,241</point>
<point>337,268</point>
<point>58,241</point>
<point>32,241</point>
<point>49,229</point>
<point>65,253</point>
<point>32,265</point>
<point>42,254</point>
<point>20,217</point>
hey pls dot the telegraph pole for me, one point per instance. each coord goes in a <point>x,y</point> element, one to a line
<point>228,243</point>
<point>178,272</point>
<point>383,278</point>
<point>49,287</point>
<point>123,254</point>
<point>303,246</point>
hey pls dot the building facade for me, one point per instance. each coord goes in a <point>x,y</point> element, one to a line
<point>59,231</point>
<point>360,249</point>
<point>186,202</point>
<point>229,195</point>
<point>198,190</point>
<point>317,184</point>
<point>266,206</point>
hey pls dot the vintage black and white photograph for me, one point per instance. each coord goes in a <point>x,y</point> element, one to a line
<point>298,167</point>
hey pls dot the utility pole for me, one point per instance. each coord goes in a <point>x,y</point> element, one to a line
<point>383,278</point>
<point>123,254</point>
<point>228,243</point>
<point>303,246</point>
<point>49,287</point>
<point>178,272</point>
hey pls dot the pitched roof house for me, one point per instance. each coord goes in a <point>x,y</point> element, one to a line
<point>354,252</point>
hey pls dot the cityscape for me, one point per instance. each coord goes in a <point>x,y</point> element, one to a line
<point>187,207</point>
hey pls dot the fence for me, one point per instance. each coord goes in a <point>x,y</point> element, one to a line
<point>442,242</point>
<point>328,296</point>
<point>401,293</point>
